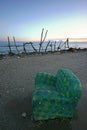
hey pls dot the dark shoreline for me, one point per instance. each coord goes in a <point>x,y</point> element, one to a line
<point>11,54</point>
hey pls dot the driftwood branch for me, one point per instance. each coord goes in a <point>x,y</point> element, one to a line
<point>28,43</point>
<point>47,46</point>
<point>58,48</point>
<point>67,41</point>
<point>65,44</point>
<point>33,47</point>
<point>45,36</point>
<point>42,39</point>
<point>24,48</point>
<point>51,46</point>
<point>9,45</point>
<point>55,46</point>
<point>15,45</point>
<point>41,35</point>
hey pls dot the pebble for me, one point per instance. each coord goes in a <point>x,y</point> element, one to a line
<point>24,114</point>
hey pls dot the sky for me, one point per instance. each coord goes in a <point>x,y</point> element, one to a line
<point>24,19</point>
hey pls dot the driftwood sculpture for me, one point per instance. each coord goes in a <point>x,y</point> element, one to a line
<point>49,47</point>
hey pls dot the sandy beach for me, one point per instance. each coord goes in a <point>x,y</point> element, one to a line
<point>17,84</point>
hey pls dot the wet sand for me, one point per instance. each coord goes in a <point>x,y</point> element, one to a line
<point>17,84</point>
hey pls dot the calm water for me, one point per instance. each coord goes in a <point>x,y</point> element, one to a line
<point>4,49</point>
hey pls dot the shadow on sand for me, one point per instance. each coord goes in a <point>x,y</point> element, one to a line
<point>18,116</point>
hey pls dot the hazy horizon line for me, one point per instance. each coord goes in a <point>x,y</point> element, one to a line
<point>53,39</point>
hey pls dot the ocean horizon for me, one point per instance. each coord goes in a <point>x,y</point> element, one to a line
<point>4,49</point>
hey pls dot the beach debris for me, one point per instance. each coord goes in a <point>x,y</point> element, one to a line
<point>55,46</point>
<point>28,43</point>
<point>10,51</point>
<point>48,47</point>
<point>24,114</point>
<point>15,45</point>
<point>42,39</point>
<point>72,49</point>
<point>64,45</point>
<point>9,46</point>
<point>18,57</point>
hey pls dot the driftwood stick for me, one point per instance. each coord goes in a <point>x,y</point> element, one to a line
<point>42,35</point>
<point>42,39</point>
<point>66,44</point>
<point>15,45</point>
<point>55,46</point>
<point>33,46</point>
<point>9,45</point>
<point>24,48</point>
<point>51,46</point>
<point>45,36</point>
<point>40,44</point>
<point>59,46</point>
<point>67,41</point>
<point>47,46</point>
<point>63,44</point>
<point>28,43</point>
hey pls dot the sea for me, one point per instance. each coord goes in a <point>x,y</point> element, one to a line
<point>52,46</point>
